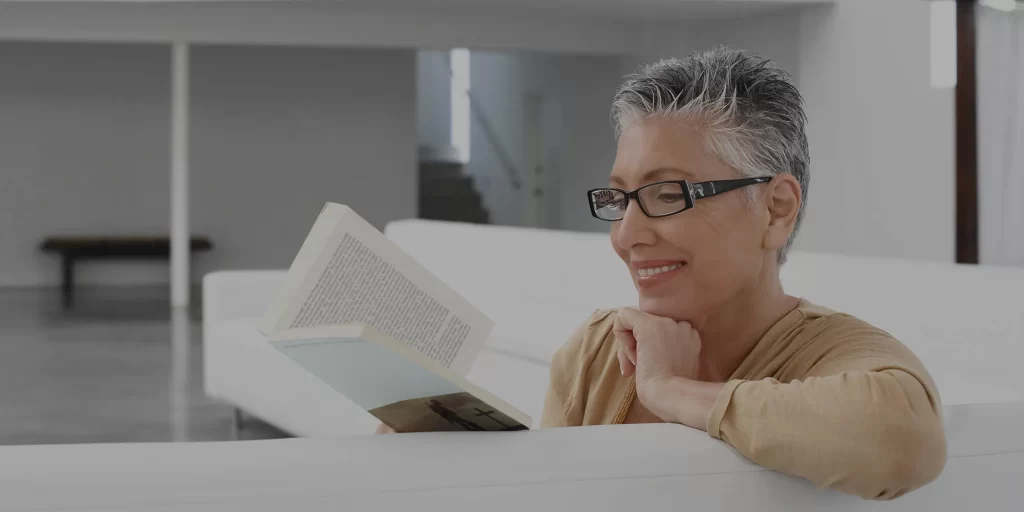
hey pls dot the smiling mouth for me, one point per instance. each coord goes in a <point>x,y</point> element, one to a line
<point>650,272</point>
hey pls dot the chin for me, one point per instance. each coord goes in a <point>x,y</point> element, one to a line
<point>664,307</point>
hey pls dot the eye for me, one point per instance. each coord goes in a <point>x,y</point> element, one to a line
<point>670,197</point>
<point>669,193</point>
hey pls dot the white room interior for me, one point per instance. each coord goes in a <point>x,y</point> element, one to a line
<point>291,104</point>
<point>860,136</point>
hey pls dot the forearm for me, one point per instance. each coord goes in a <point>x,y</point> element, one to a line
<point>684,401</point>
<point>873,434</point>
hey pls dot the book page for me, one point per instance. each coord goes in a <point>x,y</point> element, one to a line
<point>362,277</point>
<point>302,265</point>
<point>359,286</point>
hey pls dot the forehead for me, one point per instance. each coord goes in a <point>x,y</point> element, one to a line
<point>660,148</point>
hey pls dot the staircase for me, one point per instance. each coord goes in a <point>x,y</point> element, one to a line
<point>446,193</point>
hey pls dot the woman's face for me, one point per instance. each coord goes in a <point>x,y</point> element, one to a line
<point>718,245</point>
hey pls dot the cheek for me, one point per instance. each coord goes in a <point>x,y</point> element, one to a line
<point>720,236</point>
<point>613,238</point>
<point>697,234</point>
<point>716,218</point>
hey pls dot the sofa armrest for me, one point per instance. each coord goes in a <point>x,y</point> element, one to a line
<point>238,294</point>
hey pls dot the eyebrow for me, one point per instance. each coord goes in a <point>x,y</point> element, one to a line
<point>652,174</point>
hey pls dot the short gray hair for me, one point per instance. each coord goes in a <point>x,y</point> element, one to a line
<point>750,112</point>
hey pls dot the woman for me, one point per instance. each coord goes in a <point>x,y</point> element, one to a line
<point>706,194</point>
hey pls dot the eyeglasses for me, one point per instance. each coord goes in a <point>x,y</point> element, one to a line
<point>660,199</point>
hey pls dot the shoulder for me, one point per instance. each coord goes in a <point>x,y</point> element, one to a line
<point>828,325</point>
<point>586,340</point>
<point>838,342</point>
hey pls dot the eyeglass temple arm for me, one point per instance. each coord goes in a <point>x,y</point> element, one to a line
<point>711,188</point>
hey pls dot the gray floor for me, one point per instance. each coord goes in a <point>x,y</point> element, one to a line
<point>118,367</point>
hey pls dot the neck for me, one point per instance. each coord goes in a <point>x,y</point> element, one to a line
<point>729,335</point>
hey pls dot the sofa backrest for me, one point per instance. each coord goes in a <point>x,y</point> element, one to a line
<point>608,468</point>
<point>965,322</point>
<point>538,285</point>
<point>525,263</point>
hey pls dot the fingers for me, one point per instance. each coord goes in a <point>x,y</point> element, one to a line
<point>628,344</point>
<point>626,366</point>
<point>627,318</point>
<point>384,429</point>
<point>624,337</point>
<point>626,351</point>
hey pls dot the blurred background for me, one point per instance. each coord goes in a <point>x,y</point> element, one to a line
<point>235,121</point>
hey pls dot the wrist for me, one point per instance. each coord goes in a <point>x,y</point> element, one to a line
<point>680,400</point>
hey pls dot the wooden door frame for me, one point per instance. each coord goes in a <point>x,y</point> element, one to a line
<point>966,109</point>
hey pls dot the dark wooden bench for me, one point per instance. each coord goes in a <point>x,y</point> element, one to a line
<point>73,248</point>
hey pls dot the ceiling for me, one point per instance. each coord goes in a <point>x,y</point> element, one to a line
<point>610,10</point>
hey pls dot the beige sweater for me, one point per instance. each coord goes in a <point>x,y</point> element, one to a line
<point>823,396</point>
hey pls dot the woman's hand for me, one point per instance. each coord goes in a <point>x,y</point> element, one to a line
<point>664,356</point>
<point>384,429</point>
<point>655,347</point>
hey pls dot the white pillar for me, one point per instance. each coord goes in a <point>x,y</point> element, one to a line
<point>180,233</point>
<point>181,377</point>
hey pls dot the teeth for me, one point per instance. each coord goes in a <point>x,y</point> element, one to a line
<point>646,272</point>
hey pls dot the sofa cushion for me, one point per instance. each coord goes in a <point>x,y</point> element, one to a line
<point>533,329</point>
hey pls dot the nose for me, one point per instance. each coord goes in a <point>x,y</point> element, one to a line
<point>634,229</point>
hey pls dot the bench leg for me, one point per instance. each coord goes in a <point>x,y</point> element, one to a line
<point>237,423</point>
<point>68,281</point>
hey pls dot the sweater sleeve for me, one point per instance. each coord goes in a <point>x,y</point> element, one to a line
<point>864,419</point>
<point>564,372</point>
<point>560,387</point>
<point>567,387</point>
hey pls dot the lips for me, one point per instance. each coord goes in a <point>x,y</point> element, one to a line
<point>647,272</point>
<point>652,271</point>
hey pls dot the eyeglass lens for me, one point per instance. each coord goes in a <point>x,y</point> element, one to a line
<point>658,199</point>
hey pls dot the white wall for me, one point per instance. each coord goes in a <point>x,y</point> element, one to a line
<point>775,36</point>
<point>433,99</point>
<point>881,137</point>
<point>83,147</point>
<point>1000,137</point>
<point>276,133</point>
<point>577,92</point>
<point>589,139</point>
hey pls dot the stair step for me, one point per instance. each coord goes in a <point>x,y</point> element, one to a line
<point>448,186</point>
<point>465,202</point>
<point>440,170</point>
<point>445,193</point>
<point>468,206</point>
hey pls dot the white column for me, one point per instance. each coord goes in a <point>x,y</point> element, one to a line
<point>180,235</point>
<point>181,377</point>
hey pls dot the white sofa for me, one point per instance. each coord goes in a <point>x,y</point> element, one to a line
<point>965,322</point>
<point>970,339</point>
<point>634,467</point>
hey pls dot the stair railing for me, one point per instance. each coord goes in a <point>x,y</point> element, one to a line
<point>477,112</point>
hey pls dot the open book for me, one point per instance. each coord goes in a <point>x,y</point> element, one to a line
<point>364,317</point>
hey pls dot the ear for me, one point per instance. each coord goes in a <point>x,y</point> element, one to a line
<point>783,202</point>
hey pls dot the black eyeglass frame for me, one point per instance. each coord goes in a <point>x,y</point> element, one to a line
<point>694,191</point>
